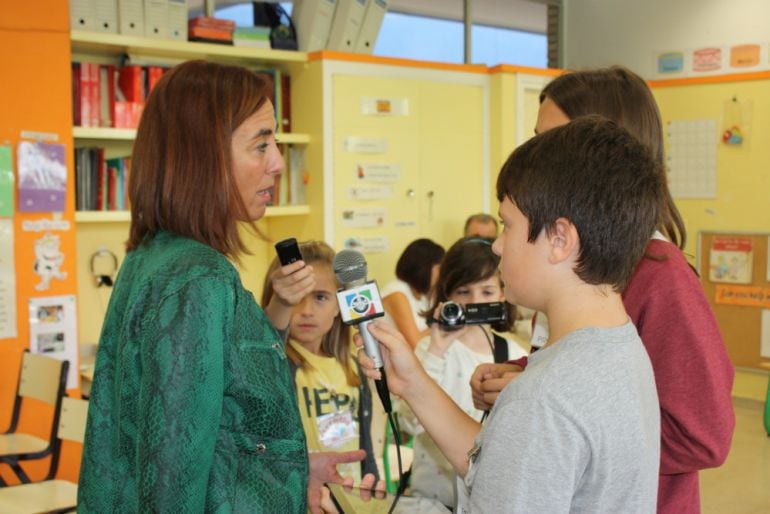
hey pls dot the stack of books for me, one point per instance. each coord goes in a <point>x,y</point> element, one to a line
<point>212,30</point>
<point>257,37</point>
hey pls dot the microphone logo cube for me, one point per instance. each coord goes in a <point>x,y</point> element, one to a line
<point>360,304</point>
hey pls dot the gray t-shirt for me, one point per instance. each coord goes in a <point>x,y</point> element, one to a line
<point>578,431</point>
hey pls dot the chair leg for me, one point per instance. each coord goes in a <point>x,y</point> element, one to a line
<point>16,467</point>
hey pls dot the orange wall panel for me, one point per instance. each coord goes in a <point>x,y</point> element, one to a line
<point>36,96</point>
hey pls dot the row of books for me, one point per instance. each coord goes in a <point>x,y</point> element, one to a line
<point>215,30</point>
<point>290,185</point>
<point>105,95</point>
<point>100,183</point>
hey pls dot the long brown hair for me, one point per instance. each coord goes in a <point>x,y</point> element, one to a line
<point>336,342</point>
<point>621,95</point>
<point>467,261</point>
<point>181,171</point>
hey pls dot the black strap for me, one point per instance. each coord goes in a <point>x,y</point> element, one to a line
<point>501,348</point>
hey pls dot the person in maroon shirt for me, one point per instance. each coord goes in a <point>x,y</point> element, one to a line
<point>664,299</point>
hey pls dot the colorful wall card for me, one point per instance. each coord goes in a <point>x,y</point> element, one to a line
<point>49,260</point>
<point>364,218</point>
<point>731,260</point>
<point>357,144</point>
<point>6,181</point>
<point>707,59</point>
<point>745,56</point>
<point>369,192</point>
<point>748,296</point>
<point>671,63</point>
<point>52,331</point>
<point>42,177</point>
<point>8,327</point>
<point>384,106</point>
<point>385,173</point>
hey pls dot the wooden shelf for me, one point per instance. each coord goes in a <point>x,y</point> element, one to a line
<point>112,134</point>
<point>102,216</point>
<point>121,134</point>
<point>119,44</point>
<point>125,216</point>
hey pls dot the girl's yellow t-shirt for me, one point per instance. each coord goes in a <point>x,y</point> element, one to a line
<point>328,406</point>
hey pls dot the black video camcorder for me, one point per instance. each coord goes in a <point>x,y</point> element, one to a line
<point>453,316</point>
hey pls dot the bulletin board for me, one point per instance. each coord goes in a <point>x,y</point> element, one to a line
<point>734,272</point>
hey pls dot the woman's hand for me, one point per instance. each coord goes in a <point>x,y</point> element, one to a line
<point>323,470</point>
<point>367,489</point>
<point>402,368</point>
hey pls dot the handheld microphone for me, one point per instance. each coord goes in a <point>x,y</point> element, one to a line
<point>360,303</point>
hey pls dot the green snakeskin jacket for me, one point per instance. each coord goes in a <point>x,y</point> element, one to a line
<point>192,406</point>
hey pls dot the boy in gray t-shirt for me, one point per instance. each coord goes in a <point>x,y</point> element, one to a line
<point>579,431</point>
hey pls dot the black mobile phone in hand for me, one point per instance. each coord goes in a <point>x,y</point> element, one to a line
<point>288,251</point>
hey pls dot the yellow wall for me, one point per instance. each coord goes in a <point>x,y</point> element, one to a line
<point>439,147</point>
<point>743,181</point>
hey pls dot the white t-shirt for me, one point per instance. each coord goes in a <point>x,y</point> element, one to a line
<point>432,474</point>
<point>418,305</point>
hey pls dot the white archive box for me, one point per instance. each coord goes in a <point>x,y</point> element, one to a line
<point>106,16</point>
<point>156,18</point>
<point>313,19</point>
<point>82,15</point>
<point>346,25</point>
<point>370,27</point>
<point>131,17</point>
<point>177,19</point>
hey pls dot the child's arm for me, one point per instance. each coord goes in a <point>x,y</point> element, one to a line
<point>290,285</point>
<point>451,429</point>
<point>397,306</point>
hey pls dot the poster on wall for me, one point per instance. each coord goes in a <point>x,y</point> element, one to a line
<point>369,192</point>
<point>692,158</point>
<point>53,331</point>
<point>8,327</point>
<point>364,218</point>
<point>386,173</point>
<point>356,144</point>
<point>367,244</point>
<point>6,181</point>
<point>42,177</point>
<point>731,260</point>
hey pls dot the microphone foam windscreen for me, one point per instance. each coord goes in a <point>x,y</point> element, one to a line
<point>349,266</point>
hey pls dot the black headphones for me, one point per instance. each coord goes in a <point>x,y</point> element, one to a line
<point>103,279</point>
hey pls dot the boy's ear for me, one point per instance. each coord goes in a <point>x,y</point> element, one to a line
<point>564,241</point>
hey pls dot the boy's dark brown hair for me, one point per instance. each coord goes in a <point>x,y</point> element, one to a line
<point>623,96</point>
<point>594,173</point>
<point>336,342</point>
<point>469,260</point>
<point>181,176</point>
<point>416,263</point>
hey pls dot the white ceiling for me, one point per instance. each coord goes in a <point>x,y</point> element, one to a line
<point>528,15</point>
